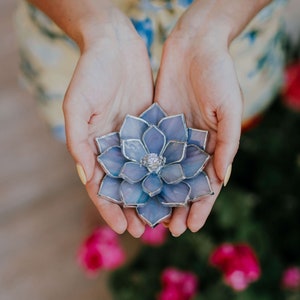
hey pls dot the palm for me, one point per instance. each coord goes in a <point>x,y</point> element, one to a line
<point>109,82</point>
<point>202,88</point>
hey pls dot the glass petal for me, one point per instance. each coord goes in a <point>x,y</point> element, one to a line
<point>175,194</point>
<point>133,128</point>
<point>194,162</point>
<point>132,194</point>
<point>133,150</point>
<point>112,160</point>
<point>107,141</point>
<point>197,137</point>
<point>200,186</point>
<point>154,212</point>
<point>133,172</point>
<point>174,128</point>
<point>152,185</point>
<point>153,114</point>
<point>154,140</point>
<point>110,189</point>
<point>174,152</point>
<point>172,174</point>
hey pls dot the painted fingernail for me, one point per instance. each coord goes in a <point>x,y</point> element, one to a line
<point>175,234</point>
<point>81,173</point>
<point>166,225</point>
<point>227,175</point>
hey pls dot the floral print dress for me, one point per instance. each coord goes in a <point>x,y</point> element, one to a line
<point>48,57</point>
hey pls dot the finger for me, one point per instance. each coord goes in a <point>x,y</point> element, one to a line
<point>178,222</point>
<point>76,122</point>
<point>136,226</point>
<point>111,213</point>
<point>228,136</point>
<point>201,209</point>
<point>199,213</point>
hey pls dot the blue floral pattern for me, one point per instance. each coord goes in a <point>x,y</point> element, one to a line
<point>154,163</point>
<point>145,29</point>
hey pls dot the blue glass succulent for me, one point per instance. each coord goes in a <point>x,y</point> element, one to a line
<point>154,163</point>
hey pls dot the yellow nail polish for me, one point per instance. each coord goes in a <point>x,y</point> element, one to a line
<point>81,173</point>
<point>227,174</point>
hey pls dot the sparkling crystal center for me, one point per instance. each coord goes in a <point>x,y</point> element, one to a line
<point>153,162</point>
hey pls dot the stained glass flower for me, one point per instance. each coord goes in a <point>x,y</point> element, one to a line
<point>154,163</point>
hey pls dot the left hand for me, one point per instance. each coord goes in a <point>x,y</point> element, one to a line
<point>197,77</point>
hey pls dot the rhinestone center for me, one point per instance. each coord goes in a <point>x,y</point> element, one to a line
<point>153,162</point>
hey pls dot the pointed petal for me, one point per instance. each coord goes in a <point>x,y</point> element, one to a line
<point>197,137</point>
<point>174,152</point>
<point>133,150</point>
<point>133,128</point>
<point>154,212</point>
<point>174,128</point>
<point>175,194</point>
<point>107,141</point>
<point>172,174</point>
<point>153,114</point>
<point>152,185</point>
<point>154,140</point>
<point>132,194</point>
<point>194,161</point>
<point>133,172</point>
<point>200,186</point>
<point>110,189</point>
<point>112,160</point>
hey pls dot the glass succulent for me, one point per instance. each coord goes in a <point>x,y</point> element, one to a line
<point>154,163</point>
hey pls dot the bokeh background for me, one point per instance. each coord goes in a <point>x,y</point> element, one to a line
<point>44,210</point>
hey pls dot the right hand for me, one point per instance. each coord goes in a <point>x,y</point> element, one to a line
<point>112,78</point>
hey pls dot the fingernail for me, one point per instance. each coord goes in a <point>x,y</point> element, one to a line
<point>175,235</point>
<point>81,173</point>
<point>165,224</point>
<point>227,175</point>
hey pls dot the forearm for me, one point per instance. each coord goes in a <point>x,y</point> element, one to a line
<point>85,21</point>
<point>218,18</point>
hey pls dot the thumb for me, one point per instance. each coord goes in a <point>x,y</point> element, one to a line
<point>76,122</point>
<point>228,138</point>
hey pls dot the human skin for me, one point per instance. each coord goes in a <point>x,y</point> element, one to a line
<point>113,78</point>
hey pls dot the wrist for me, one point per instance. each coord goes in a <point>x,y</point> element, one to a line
<point>113,25</point>
<point>87,21</point>
<point>210,21</point>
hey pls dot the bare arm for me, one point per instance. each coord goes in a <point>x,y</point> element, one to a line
<point>86,21</point>
<point>197,77</point>
<point>112,73</point>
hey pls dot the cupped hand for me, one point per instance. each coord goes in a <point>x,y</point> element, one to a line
<point>197,77</point>
<point>112,78</point>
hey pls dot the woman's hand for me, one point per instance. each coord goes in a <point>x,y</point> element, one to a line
<point>112,78</point>
<point>197,77</point>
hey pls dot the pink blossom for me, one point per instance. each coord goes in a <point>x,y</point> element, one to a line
<point>291,90</point>
<point>238,263</point>
<point>101,250</point>
<point>154,236</point>
<point>178,285</point>
<point>291,278</point>
<point>170,293</point>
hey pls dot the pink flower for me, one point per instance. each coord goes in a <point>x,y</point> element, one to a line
<point>291,90</point>
<point>238,263</point>
<point>178,285</point>
<point>170,293</point>
<point>101,250</point>
<point>154,236</point>
<point>291,278</point>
